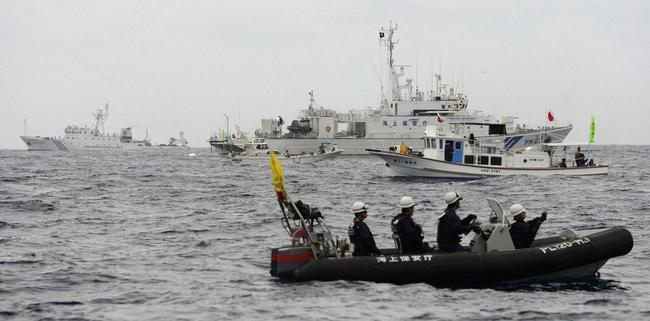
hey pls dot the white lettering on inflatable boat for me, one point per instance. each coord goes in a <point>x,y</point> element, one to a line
<point>564,245</point>
<point>405,258</point>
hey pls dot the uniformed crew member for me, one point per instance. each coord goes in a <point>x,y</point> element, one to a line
<point>450,226</point>
<point>360,235</point>
<point>410,234</point>
<point>522,232</point>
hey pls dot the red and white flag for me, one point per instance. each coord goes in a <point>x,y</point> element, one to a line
<point>439,119</point>
<point>550,116</point>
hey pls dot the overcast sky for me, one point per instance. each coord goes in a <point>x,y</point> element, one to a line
<point>168,66</point>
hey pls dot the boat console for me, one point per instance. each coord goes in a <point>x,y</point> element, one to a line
<point>495,235</point>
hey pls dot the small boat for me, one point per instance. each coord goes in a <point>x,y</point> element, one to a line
<point>258,150</point>
<point>451,154</point>
<point>181,141</point>
<point>490,258</point>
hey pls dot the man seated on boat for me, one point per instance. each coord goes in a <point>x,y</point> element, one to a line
<point>360,235</point>
<point>563,163</point>
<point>409,235</point>
<point>522,232</point>
<point>450,226</point>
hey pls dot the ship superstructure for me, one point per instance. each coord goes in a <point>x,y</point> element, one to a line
<point>403,114</point>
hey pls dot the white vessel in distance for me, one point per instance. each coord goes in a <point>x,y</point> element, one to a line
<point>181,141</point>
<point>257,150</point>
<point>402,117</point>
<point>450,154</point>
<point>88,138</point>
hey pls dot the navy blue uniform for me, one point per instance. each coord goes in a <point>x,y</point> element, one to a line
<point>450,226</point>
<point>523,233</point>
<point>364,242</point>
<point>410,234</point>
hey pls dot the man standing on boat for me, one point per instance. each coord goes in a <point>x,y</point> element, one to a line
<point>408,233</point>
<point>450,226</point>
<point>522,232</point>
<point>360,235</point>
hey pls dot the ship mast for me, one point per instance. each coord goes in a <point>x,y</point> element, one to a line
<point>100,118</point>
<point>386,38</point>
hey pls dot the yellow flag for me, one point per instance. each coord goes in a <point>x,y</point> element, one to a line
<point>278,176</point>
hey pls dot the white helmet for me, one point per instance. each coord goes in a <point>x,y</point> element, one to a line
<point>359,207</point>
<point>516,209</point>
<point>452,197</point>
<point>406,202</point>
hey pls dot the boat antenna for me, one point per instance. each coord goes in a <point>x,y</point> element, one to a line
<point>25,126</point>
<point>381,83</point>
<point>227,125</point>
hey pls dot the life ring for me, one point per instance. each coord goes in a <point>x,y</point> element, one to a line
<point>328,128</point>
<point>299,237</point>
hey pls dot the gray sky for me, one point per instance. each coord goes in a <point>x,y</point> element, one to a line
<point>180,65</point>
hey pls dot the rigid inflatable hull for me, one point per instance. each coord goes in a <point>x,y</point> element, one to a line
<point>577,258</point>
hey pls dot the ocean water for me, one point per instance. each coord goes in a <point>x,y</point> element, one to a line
<point>159,235</point>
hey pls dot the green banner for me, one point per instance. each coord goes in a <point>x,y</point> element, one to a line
<point>592,130</point>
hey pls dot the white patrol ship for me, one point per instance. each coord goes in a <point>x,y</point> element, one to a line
<point>402,117</point>
<point>88,138</point>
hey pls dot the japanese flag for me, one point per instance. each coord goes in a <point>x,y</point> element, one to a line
<point>439,119</point>
<point>550,116</point>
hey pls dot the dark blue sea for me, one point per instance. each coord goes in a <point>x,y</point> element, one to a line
<point>158,235</point>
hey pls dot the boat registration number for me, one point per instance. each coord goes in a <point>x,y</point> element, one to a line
<point>564,245</point>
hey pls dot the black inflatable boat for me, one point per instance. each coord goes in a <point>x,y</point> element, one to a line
<point>490,258</point>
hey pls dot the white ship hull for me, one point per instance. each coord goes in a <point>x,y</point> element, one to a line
<point>358,146</point>
<point>38,143</point>
<point>406,165</point>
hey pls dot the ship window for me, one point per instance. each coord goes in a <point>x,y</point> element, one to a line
<point>405,123</point>
<point>385,123</point>
<point>443,106</point>
<point>495,160</point>
<point>483,160</point>
<point>415,122</point>
<point>459,145</point>
<point>424,123</point>
<point>469,159</point>
<point>439,143</point>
